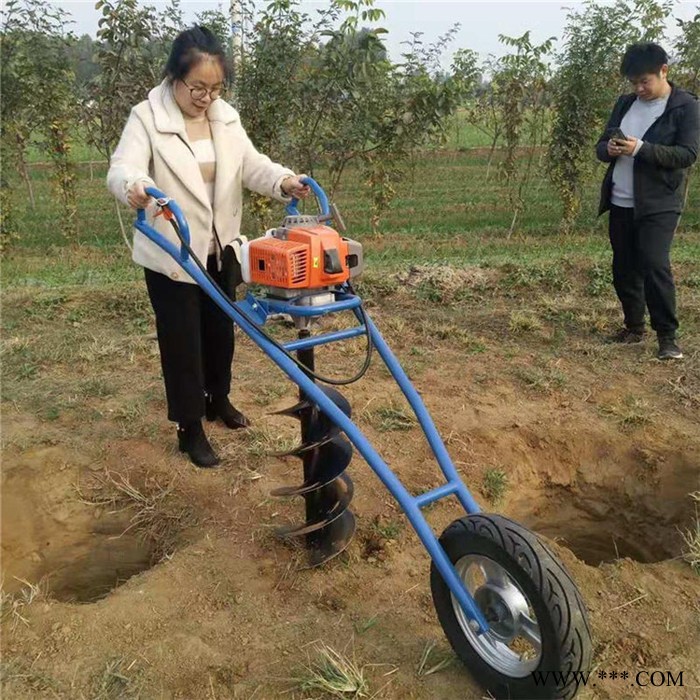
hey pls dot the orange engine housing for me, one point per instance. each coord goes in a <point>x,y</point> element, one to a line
<point>310,257</point>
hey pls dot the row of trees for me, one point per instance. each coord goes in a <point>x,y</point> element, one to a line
<point>320,90</point>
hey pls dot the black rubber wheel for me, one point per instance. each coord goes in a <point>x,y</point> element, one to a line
<point>539,638</point>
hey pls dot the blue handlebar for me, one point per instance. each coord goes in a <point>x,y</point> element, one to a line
<point>325,208</point>
<point>173,206</point>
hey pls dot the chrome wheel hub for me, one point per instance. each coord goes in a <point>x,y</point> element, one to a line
<point>513,644</point>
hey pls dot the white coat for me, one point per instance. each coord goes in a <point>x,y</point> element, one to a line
<point>154,148</point>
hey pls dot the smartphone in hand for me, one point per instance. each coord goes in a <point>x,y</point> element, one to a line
<point>618,134</point>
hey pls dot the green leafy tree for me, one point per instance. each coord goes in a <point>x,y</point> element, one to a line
<point>272,87</point>
<point>280,54</point>
<point>38,99</point>
<point>520,92</point>
<point>321,91</point>
<point>419,100</point>
<point>81,60</point>
<point>686,68</point>
<point>131,51</point>
<point>483,113</point>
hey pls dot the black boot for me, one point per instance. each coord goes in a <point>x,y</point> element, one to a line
<point>220,407</point>
<point>192,440</point>
<point>628,336</point>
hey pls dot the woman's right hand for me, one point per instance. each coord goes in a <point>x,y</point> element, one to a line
<point>136,196</point>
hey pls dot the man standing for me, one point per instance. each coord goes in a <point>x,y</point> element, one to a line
<point>651,139</point>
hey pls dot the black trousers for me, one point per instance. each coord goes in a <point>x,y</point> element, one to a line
<point>642,268</point>
<point>196,343</point>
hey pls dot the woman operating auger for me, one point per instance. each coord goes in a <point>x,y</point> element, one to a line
<point>188,142</point>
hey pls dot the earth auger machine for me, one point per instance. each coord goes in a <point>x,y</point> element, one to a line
<point>507,605</point>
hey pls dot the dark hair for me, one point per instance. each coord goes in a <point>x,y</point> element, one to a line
<point>188,49</point>
<point>640,59</point>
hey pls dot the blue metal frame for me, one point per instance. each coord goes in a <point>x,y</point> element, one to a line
<point>241,313</point>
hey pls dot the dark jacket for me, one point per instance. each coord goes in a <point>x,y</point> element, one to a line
<point>670,147</point>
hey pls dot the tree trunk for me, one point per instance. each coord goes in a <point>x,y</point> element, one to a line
<point>496,134</point>
<point>28,181</point>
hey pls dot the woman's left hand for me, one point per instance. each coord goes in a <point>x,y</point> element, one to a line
<point>292,186</point>
<point>625,147</point>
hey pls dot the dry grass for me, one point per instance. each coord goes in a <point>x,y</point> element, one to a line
<point>14,605</point>
<point>16,674</point>
<point>389,418</point>
<point>445,283</point>
<point>262,441</point>
<point>631,412</point>
<point>686,387</point>
<point>335,674</point>
<point>433,663</point>
<point>158,513</point>
<point>691,537</point>
<point>270,393</point>
<point>545,379</point>
<point>524,322</point>
<point>116,681</point>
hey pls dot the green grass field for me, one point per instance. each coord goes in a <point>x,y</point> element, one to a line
<point>459,134</point>
<point>441,196</point>
<point>444,214</point>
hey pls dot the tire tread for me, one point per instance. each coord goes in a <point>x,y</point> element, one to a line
<point>560,594</point>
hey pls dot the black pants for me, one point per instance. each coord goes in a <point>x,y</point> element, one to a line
<point>196,343</point>
<point>642,268</point>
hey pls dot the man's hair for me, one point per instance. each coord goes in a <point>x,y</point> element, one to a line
<point>640,59</point>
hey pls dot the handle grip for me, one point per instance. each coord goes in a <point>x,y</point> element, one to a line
<point>164,201</point>
<point>321,197</point>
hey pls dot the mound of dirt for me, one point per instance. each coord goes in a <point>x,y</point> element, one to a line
<point>444,282</point>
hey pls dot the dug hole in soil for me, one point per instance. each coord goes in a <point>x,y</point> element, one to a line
<point>603,523</point>
<point>80,551</point>
<point>83,552</point>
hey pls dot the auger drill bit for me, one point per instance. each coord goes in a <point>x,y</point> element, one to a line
<point>325,453</point>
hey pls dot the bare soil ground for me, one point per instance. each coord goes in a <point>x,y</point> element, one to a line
<point>128,573</point>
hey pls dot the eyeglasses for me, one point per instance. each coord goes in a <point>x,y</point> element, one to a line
<point>199,93</point>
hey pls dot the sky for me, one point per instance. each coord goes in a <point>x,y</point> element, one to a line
<point>481,22</point>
